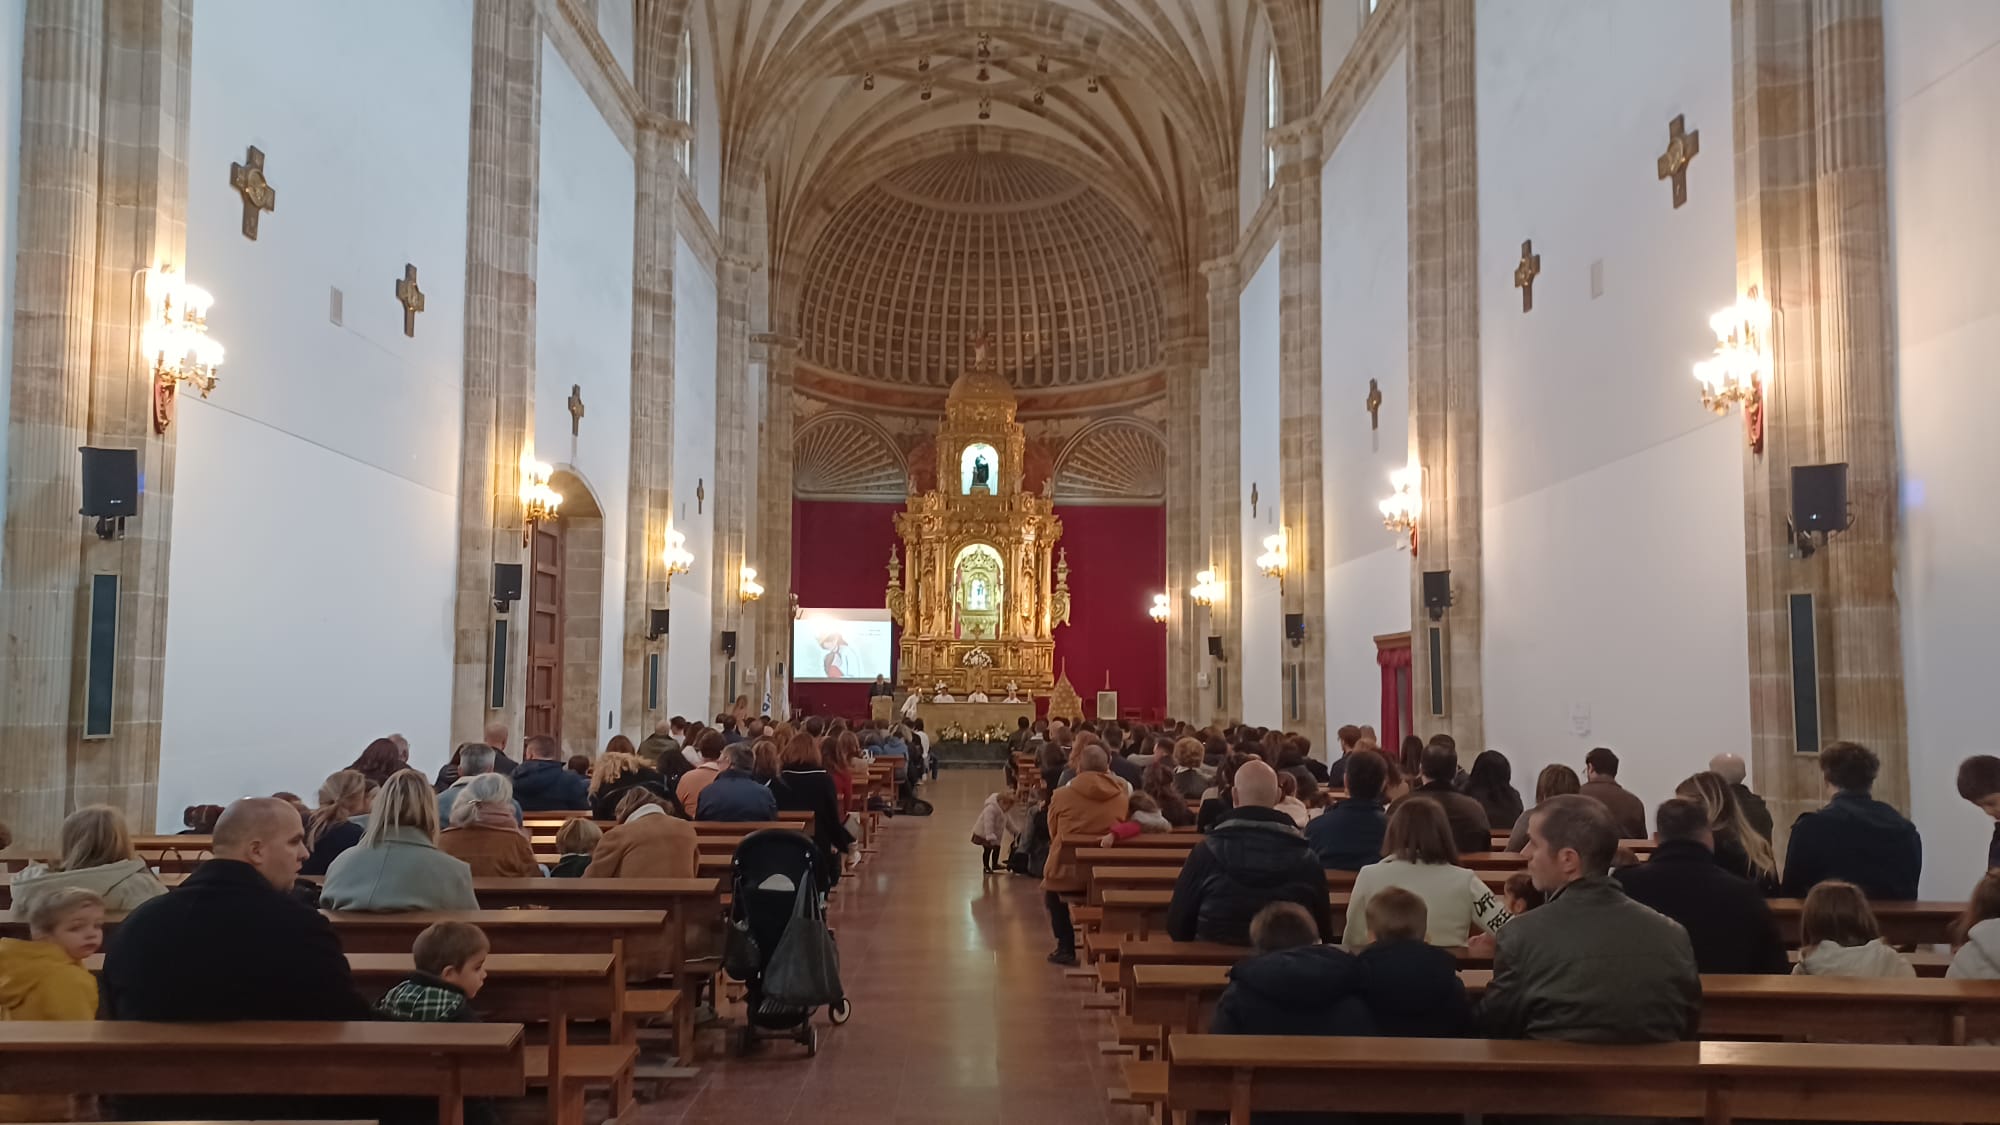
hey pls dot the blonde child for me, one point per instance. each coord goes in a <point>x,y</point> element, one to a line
<point>44,978</point>
<point>576,840</point>
<point>1842,938</point>
<point>991,828</point>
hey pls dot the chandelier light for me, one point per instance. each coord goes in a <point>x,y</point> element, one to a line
<point>748,586</point>
<point>1404,505</point>
<point>1159,610</point>
<point>1741,366</point>
<point>1206,588</point>
<point>175,341</point>
<point>678,558</point>
<point>538,501</point>
<point>1272,562</point>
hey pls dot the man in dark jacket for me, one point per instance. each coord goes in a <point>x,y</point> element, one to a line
<point>1728,923</point>
<point>1470,831</point>
<point>231,943</point>
<point>495,737</point>
<point>1254,858</point>
<point>1589,965</point>
<point>1348,836</point>
<point>663,743</point>
<point>1854,836</point>
<point>543,784</point>
<point>735,794</point>
<point>1600,781</point>
<point>1730,768</point>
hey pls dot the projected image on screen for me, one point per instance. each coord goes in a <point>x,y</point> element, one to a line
<point>841,644</point>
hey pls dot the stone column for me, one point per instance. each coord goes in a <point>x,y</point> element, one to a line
<point>103,197</point>
<point>732,471</point>
<point>1812,223</point>
<point>502,212</point>
<point>1302,481</point>
<point>1222,441</point>
<point>1444,366</point>
<point>774,506</point>
<point>1186,546</point>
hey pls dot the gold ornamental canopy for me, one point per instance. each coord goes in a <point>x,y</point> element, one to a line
<point>977,590</point>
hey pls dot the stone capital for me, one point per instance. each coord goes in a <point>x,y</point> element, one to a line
<point>672,128</point>
<point>1222,271</point>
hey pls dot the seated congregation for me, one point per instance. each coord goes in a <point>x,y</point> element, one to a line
<point>1409,898</point>
<point>294,913</point>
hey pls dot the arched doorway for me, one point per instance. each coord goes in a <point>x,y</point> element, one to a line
<point>578,654</point>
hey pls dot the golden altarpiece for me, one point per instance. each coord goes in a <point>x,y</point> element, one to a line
<point>979,589</point>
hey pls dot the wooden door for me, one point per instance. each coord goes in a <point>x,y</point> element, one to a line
<point>545,632</point>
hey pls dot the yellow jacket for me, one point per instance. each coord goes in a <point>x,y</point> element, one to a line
<point>38,981</point>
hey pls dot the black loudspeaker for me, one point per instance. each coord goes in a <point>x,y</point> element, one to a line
<point>1295,628</point>
<point>729,642</point>
<point>656,624</point>
<point>506,585</point>
<point>1437,592</point>
<point>110,482</point>
<point>1215,647</point>
<point>1819,499</point>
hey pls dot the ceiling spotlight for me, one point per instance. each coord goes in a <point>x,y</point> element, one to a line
<point>868,81</point>
<point>982,72</point>
<point>1041,64</point>
<point>1092,86</point>
<point>985,45</point>
<point>1038,95</point>
<point>985,108</point>
<point>923,64</point>
<point>924,91</point>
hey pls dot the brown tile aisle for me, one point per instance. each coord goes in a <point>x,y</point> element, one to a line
<point>957,1016</point>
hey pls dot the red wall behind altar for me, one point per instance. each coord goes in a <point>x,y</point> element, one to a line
<point>1117,559</point>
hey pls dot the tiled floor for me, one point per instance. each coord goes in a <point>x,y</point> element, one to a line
<point>957,1017</point>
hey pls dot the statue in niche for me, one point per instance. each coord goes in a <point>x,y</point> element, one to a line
<point>977,600</point>
<point>982,474</point>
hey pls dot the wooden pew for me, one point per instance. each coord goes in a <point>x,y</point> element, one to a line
<point>1181,997</point>
<point>445,1062</point>
<point>1714,1082</point>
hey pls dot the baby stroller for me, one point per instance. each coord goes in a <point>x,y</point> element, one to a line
<point>779,945</point>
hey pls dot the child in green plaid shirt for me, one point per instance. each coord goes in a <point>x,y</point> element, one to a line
<point>451,967</point>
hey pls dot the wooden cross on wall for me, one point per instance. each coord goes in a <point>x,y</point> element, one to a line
<point>1682,147</point>
<point>258,194</point>
<point>1524,274</point>
<point>575,404</point>
<point>412,299</point>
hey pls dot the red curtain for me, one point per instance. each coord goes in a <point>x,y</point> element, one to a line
<point>1392,660</point>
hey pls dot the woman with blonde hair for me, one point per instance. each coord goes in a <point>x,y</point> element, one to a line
<point>330,828</point>
<point>97,856</point>
<point>483,832</point>
<point>618,773</point>
<point>398,866</point>
<point>1554,781</point>
<point>1191,776</point>
<point>764,760</point>
<point>1739,849</point>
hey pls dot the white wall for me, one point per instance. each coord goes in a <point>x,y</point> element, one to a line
<point>583,327</point>
<point>13,31</point>
<point>1614,511</point>
<point>1263,610</point>
<point>1943,82</point>
<point>692,642</point>
<point>314,551</point>
<point>1364,325</point>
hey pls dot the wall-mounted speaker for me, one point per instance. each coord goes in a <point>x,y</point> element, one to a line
<point>1819,506</point>
<point>656,624</point>
<point>1295,628</point>
<point>506,585</point>
<point>1437,592</point>
<point>110,482</point>
<point>729,642</point>
<point>1215,647</point>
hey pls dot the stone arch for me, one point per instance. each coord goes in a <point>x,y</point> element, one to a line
<point>1294,29</point>
<point>582,610</point>
<point>1118,460</point>
<point>843,455</point>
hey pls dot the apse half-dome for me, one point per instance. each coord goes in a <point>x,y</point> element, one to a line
<point>934,253</point>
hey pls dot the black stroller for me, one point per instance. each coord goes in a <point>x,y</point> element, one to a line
<point>776,892</point>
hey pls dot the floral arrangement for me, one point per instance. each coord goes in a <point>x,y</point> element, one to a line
<point>994,733</point>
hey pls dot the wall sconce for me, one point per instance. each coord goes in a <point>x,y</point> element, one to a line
<point>678,558</point>
<point>1206,589</point>
<point>175,341</point>
<point>1159,610</point>
<point>1401,509</point>
<point>539,502</point>
<point>1741,365</point>
<point>1272,562</point>
<point>747,585</point>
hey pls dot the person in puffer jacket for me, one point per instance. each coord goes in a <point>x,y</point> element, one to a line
<point>1254,858</point>
<point>1978,954</point>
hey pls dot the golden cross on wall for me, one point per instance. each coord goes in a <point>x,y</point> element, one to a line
<point>258,194</point>
<point>1682,147</point>
<point>1524,274</point>
<point>412,299</point>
